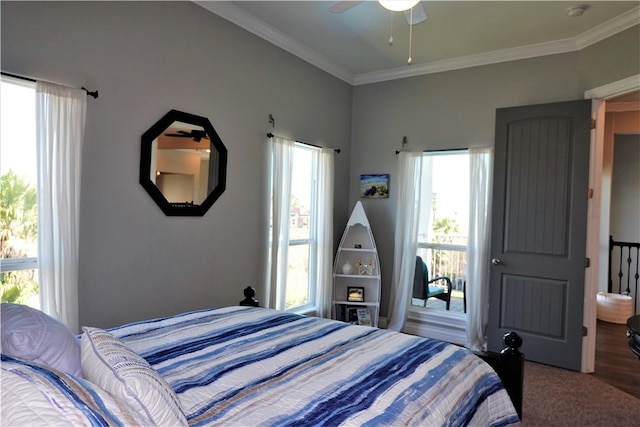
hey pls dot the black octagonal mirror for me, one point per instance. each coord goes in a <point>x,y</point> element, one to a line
<point>183,164</point>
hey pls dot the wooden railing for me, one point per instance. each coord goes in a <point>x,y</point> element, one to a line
<point>627,269</point>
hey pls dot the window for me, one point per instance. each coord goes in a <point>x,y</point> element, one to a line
<point>444,221</point>
<point>302,231</point>
<point>301,227</point>
<point>18,184</point>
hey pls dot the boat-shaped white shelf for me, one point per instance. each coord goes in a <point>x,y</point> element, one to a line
<point>356,273</point>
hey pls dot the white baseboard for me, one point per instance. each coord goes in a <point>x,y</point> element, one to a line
<point>444,326</point>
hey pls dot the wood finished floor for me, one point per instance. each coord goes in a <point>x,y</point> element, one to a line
<point>615,363</point>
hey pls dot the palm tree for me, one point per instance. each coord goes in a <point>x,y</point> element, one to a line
<point>18,230</point>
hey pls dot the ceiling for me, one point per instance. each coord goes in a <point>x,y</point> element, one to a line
<point>353,45</point>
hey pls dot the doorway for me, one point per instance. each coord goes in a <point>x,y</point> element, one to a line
<point>620,92</point>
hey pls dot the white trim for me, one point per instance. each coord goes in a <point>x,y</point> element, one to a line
<point>258,27</point>
<point>612,90</point>
<point>443,246</point>
<point>609,28</point>
<point>598,217</point>
<point>442,325</point>
<point>17,264</point>
<point>486,58</point>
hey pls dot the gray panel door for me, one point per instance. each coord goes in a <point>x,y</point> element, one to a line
<point>539,224</point>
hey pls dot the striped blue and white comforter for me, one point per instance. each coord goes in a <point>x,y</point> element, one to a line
<point>254,366</point>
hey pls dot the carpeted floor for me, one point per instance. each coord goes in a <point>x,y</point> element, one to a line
<point>558,397</point>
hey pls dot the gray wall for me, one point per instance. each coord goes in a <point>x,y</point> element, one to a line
<point>146,58</point>
<point>456,109</point>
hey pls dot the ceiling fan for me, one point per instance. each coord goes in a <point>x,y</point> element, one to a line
<point>415,16</point>
<point>196,134</point>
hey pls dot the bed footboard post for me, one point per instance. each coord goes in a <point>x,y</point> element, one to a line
<point>509,365</point>
<point>512,369</point>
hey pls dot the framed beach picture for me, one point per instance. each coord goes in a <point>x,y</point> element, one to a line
<point>374,186</point>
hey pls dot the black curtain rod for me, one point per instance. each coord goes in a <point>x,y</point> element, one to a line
<point>93,94</point>
<point>439,151</point>
<point>337,150</point>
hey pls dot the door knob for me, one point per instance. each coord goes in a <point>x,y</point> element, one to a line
<point>496,261</point>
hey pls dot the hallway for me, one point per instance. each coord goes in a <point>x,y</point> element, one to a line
<point>615,363</point>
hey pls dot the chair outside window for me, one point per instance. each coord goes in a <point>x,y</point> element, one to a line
<point>423,288</point>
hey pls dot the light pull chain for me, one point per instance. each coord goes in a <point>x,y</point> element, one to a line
<point>410,34</point>
<point>390,29</point>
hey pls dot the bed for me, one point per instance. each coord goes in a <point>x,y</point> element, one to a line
<point>249,366</point>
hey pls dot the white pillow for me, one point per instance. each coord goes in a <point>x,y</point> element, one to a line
<point>36,395</point>
<point>111,365</point>
<point>32,335</point>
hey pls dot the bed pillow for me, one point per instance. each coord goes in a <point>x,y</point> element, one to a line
<point>35,395</point>
<point>110,364</point>
<point>30,334</point>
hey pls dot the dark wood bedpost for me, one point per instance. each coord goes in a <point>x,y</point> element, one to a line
<point>249,300</point>
<point>509,365</point>
<point>513,369</point>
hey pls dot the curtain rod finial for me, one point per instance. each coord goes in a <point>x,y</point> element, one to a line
<point>93,94</point>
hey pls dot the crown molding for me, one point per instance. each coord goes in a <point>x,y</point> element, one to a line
<point>258,27</point>
<point>609,28</point>
<point>595,35</point>
<point>476,60</point>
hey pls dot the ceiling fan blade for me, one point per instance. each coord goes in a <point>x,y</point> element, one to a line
<point>419,15</point>
<point>199,133</point>
<point>343,6</point>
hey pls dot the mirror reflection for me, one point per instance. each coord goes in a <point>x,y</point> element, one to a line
<point>183,164</point>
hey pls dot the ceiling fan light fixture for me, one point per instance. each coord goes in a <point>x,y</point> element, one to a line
<point>576,11</point>
<point>398,5</point>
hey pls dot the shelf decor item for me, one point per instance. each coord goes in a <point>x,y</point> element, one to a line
<point>364,318</point>
<point>355,294</point>
<point>361,287</point>
<point>365,267</point>
<point>347,268</point>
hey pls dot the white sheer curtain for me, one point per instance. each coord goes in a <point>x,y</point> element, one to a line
<point>60,120</point>
<point>325,231</point>
<point>406,237</point>
<point>281,171</point>
<point>478,249</point>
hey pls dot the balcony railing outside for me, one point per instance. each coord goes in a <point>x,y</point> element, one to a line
<point>446,255</point>
<point>447,258</point>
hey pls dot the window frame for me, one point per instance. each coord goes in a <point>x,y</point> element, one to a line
<point>8,265</point>
<point>312,291</point>
<point>16,264</point>
<point>441,324</point>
